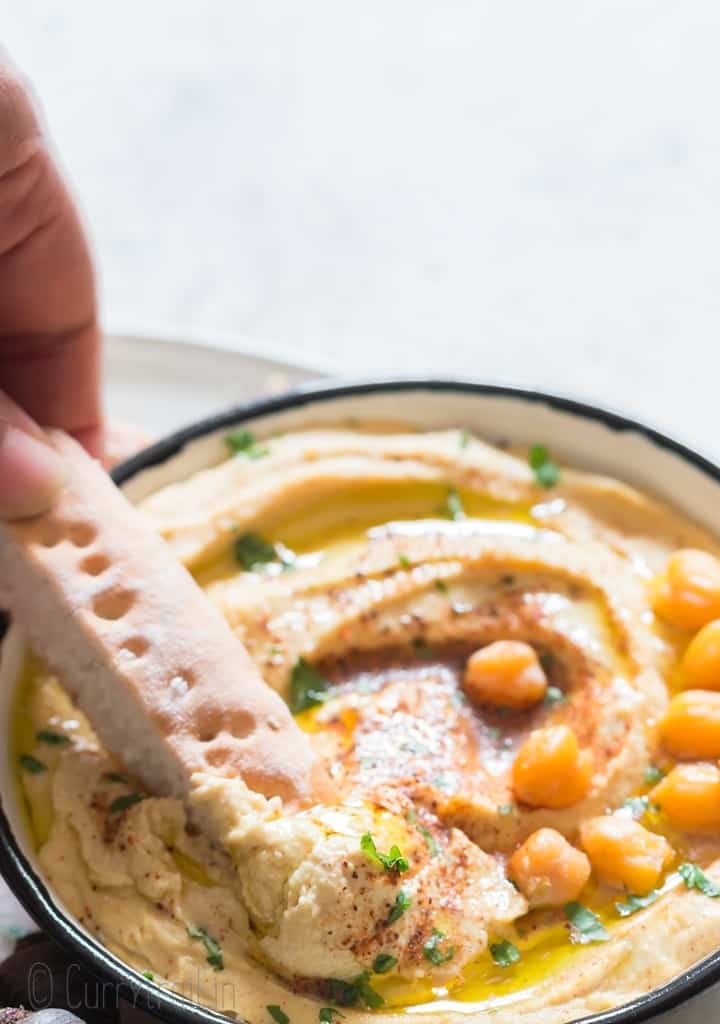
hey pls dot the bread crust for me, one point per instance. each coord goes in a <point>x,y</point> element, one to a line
<point>164,681</point>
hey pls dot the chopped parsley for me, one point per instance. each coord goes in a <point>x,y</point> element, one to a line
<point>638,806</point>
<point>694,878</point>
<point>212,947</point>
<point>31,764</point>
<point>349,993</point>
<point>404,561</point>
<point>278,1014</point>
<point>307,687</point>
<point>464,439</point>
<point>53,739</point>
<point>401,904</point>
<point>504,810</point>
<point>632,904</point>
<point>433,952</point>
<point>430,840</point>
<point>122,803</point>
<point>547,473</point>
<point>327,1014</point>
<point>453,505</point>
<point>383,963</point>
<point>252,550</point>
<point>149,975</point>
<point>115,777</point>
<point>391,861</point>
<point>653,774</point>
<point>504,953</point>
<point>587,927</point>
<point>242,442</point>
<point>441,586</point>
<point>553,696</point>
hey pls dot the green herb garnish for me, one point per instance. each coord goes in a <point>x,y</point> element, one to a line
<point>278,1014</point>
<point>547,473</point>
<point>404,561</point>
<point>464,439</point>
<point>401,904</point>
<point>432,951</point>
<point>212,947</point>
<point>504,953</point>
<point>31,764</point>
<point>638,806</point>
<point>441,586</point>
<point>242,442</point>
<point>430,840</point>
<point>327,1014</point>
<point>632,904</point>
<point>383,963</point>
<point>391,861</point>
<point>553,696</point>
<point>251,550</point>
<point>53,739</point>
<point>453,505</point>
<point>587,926</point>
<point>348,993</point>
<point>307,687</point>
<point>653,774</point>
<point>694,878</point>
<point>122,803</point>
<point>115,777</point>
<point>149,975</point>
<point>504,810</point>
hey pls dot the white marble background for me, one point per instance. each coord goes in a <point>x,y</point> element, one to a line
<point>517,190</point>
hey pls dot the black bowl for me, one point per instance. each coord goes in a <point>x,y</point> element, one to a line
<point>562,422</point>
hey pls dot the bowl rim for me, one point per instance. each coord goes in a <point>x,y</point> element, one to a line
<point>32,892</point>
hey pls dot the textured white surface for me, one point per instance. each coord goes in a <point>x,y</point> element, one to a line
<point>518,190</point>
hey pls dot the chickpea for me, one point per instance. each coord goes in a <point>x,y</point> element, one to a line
<point>688,595</point>
<point>547,870</point>
<point>691,727</point>
<point>690,796</point>
<point>625,854</point>
<point>551,770</point>
<point>700,666</point>
<point>507,673</point>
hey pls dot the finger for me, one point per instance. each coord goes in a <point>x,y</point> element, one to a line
<point>122,440</point>
<point>49,333</point>
<point>31,473</point>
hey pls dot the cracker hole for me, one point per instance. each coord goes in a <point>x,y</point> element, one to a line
<point>50,536</point>
<point>113,604</point>
<point>135,645</point>
<point>81,534</point>
<point>180,684</point>
<point>217,757</point>
<point>93,565</point>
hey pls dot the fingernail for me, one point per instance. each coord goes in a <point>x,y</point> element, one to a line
<point>31,474</point>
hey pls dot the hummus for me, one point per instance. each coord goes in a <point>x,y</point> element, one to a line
<point>362,568</point>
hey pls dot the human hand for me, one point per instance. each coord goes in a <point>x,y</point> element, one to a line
<point>49,331</point>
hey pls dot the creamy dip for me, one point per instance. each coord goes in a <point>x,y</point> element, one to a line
<point>363,569</point>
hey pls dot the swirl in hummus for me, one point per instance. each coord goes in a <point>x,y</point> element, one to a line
<point>489,656</point>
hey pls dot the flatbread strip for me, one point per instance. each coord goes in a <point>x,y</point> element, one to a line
<point>164,681</point>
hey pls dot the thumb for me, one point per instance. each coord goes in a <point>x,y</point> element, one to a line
<point>31,473</point>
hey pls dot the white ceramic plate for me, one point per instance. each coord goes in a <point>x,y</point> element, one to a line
<point>159,382</point>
